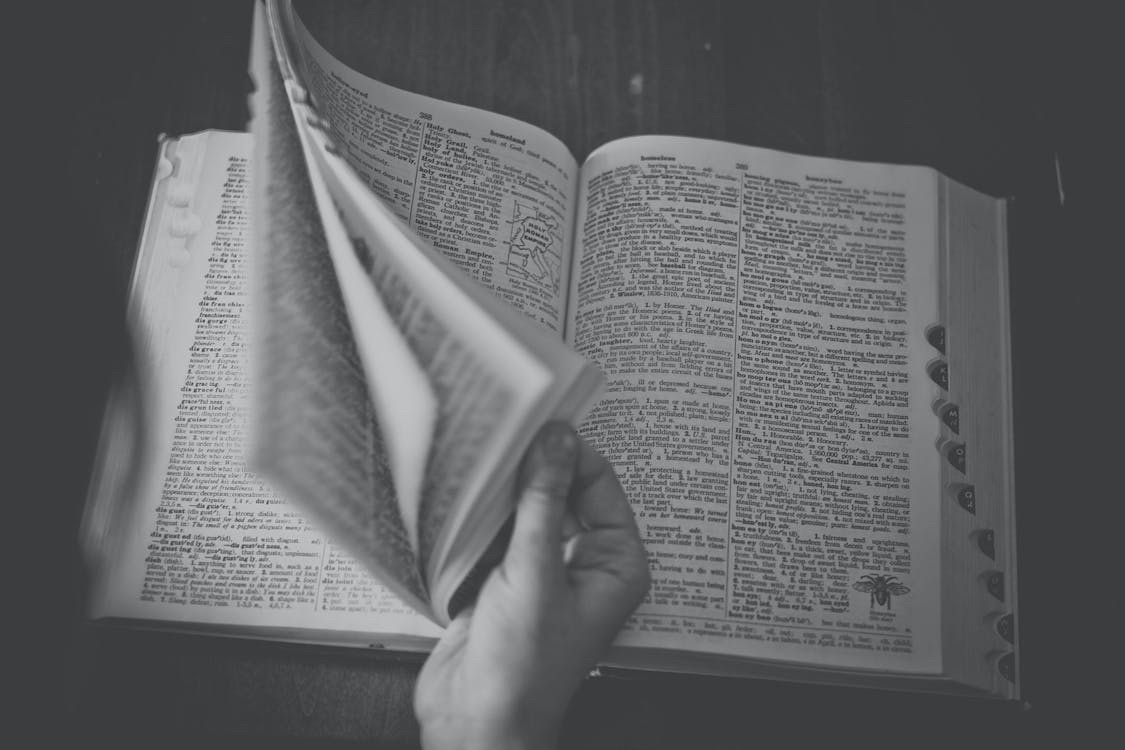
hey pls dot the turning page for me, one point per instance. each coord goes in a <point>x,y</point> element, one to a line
<point>491,193</point>
<point>495,374</point>
<point>760,320</point>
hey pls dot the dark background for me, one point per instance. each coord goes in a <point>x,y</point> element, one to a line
<point>990,94</point>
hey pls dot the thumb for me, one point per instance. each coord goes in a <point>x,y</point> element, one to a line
<point>452,641</point>
<point>548,471</point>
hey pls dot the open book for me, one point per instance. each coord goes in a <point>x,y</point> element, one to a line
<point>806,397</point>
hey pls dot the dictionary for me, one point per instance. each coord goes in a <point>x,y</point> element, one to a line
<point>355,317</point>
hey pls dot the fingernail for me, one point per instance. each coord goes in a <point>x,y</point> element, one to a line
<point>558,442</point>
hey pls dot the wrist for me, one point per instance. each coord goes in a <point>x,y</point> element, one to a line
<point>515,727</point>
<point>493,736</point>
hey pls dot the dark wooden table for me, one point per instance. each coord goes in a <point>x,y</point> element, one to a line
<point>1001,97</point>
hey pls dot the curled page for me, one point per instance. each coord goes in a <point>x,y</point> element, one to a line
<point>495,373</point>
<point>399,389</point>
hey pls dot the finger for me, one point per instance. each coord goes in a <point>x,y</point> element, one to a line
<point>458,630</point>
<point>597,497</point>
<point>548,472</point>
<point>452,640</point>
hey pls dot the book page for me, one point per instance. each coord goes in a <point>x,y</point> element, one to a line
<point>353,455</point>
<point>206,541</point>
<point>760,320</point>
<point>495,373</point>
<point>493,194</point>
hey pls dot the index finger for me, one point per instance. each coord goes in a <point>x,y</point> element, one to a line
<point>596,495</point>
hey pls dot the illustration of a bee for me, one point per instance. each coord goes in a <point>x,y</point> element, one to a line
<point>881,588</point>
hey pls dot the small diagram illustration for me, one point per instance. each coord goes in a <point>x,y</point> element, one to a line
<point>534,247</point>
<point>881,588</point>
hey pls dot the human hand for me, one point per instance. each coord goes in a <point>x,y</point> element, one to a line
<point>575,568</point>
